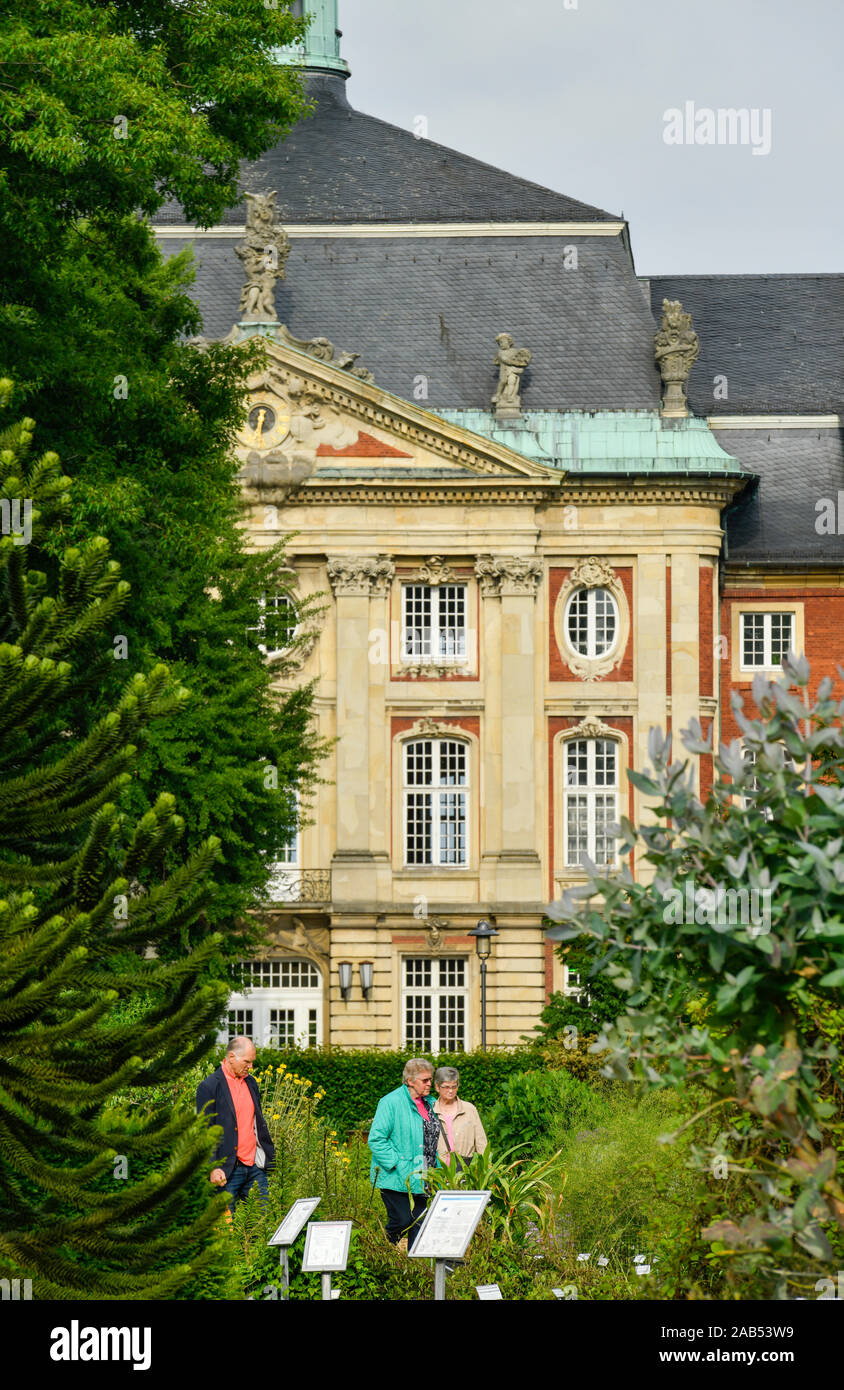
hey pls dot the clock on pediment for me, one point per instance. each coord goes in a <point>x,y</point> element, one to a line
<point>267,424</point>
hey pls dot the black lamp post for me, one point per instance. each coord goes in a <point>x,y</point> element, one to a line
<point>483,934</point>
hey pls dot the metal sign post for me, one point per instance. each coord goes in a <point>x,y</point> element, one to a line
<point>288,1231</point>
<point>450,1222</point>
<point>326,1288</point>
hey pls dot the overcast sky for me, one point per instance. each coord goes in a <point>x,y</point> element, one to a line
<point>575,99</point>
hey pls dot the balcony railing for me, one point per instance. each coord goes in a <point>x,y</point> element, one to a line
<point>292,885</point>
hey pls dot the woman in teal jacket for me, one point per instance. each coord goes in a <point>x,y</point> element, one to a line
<point>403,1141</point>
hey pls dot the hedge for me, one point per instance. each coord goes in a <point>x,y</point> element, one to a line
<point>355,1079</point>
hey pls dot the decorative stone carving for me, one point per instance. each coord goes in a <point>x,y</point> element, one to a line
<point>429,728</point>
<point>593,573</point>
<point>282,432</point>
<point>508,574</point>
<point>297,940</point>
<point>434,571</point>
<point>511,362</point>
<point>324,350</point>
<point>264,253</point>
<point>435,928</point>
<point>676,348</point>
<point>360,574</point>
<point>442,670</point>
<point>592,727</point>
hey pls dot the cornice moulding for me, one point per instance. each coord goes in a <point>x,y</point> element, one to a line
<point>323,231</point>
<point>773,422</point>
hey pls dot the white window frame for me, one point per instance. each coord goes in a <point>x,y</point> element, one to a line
<point>429,644</point>
<point>275,601</point>
<point>255,1004</point>
<point>436,791</point>
<point>590,791</point>
<point>428,999</point>
<point>767,663</point>
<point>286,868</point>
<point>592,653</point>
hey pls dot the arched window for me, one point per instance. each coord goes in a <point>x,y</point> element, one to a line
<point>435,812</point>
<point>591,622</point>
<point>279,1005</point>
<point>591,772</point>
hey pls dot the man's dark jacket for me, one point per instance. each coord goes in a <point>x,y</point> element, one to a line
<point>215,1089</point>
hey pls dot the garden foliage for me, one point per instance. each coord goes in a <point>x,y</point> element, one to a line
<point>106,110</point>
<point>98,1201</point>
<point>354,1079</point>
<point>736,1009</point>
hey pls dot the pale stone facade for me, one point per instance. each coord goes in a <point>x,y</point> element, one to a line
<point>429,502</point>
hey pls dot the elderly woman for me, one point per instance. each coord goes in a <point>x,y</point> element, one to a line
<point>403,1142</point>
<point>461,1131</point>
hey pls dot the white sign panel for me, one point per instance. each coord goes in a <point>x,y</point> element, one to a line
<point>488,1291</point>
<point>295,1219</point>
<point>449,1225</point>
<point>326,1247</point>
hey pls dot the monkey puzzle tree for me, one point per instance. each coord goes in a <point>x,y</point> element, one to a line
<point>98,1201</point>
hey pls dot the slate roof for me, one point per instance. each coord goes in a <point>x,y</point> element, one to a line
<point>431,307</point>
<point>339,165</point>
<point>779,340</point>
<point>775,521</point>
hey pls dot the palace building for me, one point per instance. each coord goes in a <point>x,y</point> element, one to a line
<point>550,505</point>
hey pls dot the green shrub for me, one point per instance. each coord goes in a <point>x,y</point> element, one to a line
<point>354,1080</point>
<point>536,1102</point>
<point>622,1185</point>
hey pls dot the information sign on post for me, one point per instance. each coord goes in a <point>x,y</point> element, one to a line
<point>293,1222</point>
<point>488,1291</point>
<point>287,1232</point>
<point>326,1250</point>
<point>450,1222</point>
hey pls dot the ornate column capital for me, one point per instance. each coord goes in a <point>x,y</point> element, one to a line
<point>500,575</point>
<point>360,574</point>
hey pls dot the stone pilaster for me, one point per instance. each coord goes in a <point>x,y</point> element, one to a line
<point>513,580</point>
<point>649,627</point>
<point>354,580</point>
<point>685,648</point>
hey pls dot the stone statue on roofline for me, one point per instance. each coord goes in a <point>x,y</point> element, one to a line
<point>263,253</point>
<point>511,362</point>
<point>676,348</point>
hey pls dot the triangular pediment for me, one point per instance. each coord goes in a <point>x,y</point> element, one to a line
<point>310,420</point>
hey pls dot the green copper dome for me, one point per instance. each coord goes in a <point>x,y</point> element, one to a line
<point>321,49</point>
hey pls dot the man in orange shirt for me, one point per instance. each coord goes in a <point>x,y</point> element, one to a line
<point>230,1098</point>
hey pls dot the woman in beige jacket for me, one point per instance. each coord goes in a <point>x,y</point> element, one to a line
<point>461,1131</point>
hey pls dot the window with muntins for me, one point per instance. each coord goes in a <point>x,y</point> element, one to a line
<point>436,773</point>
<point>279,1004</point>
<point>277,624</point>
<point>765,639</point>
<point>590,800</point>
<point>591,621</point>
<point>433,622</point>
<point>435,1004</point>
